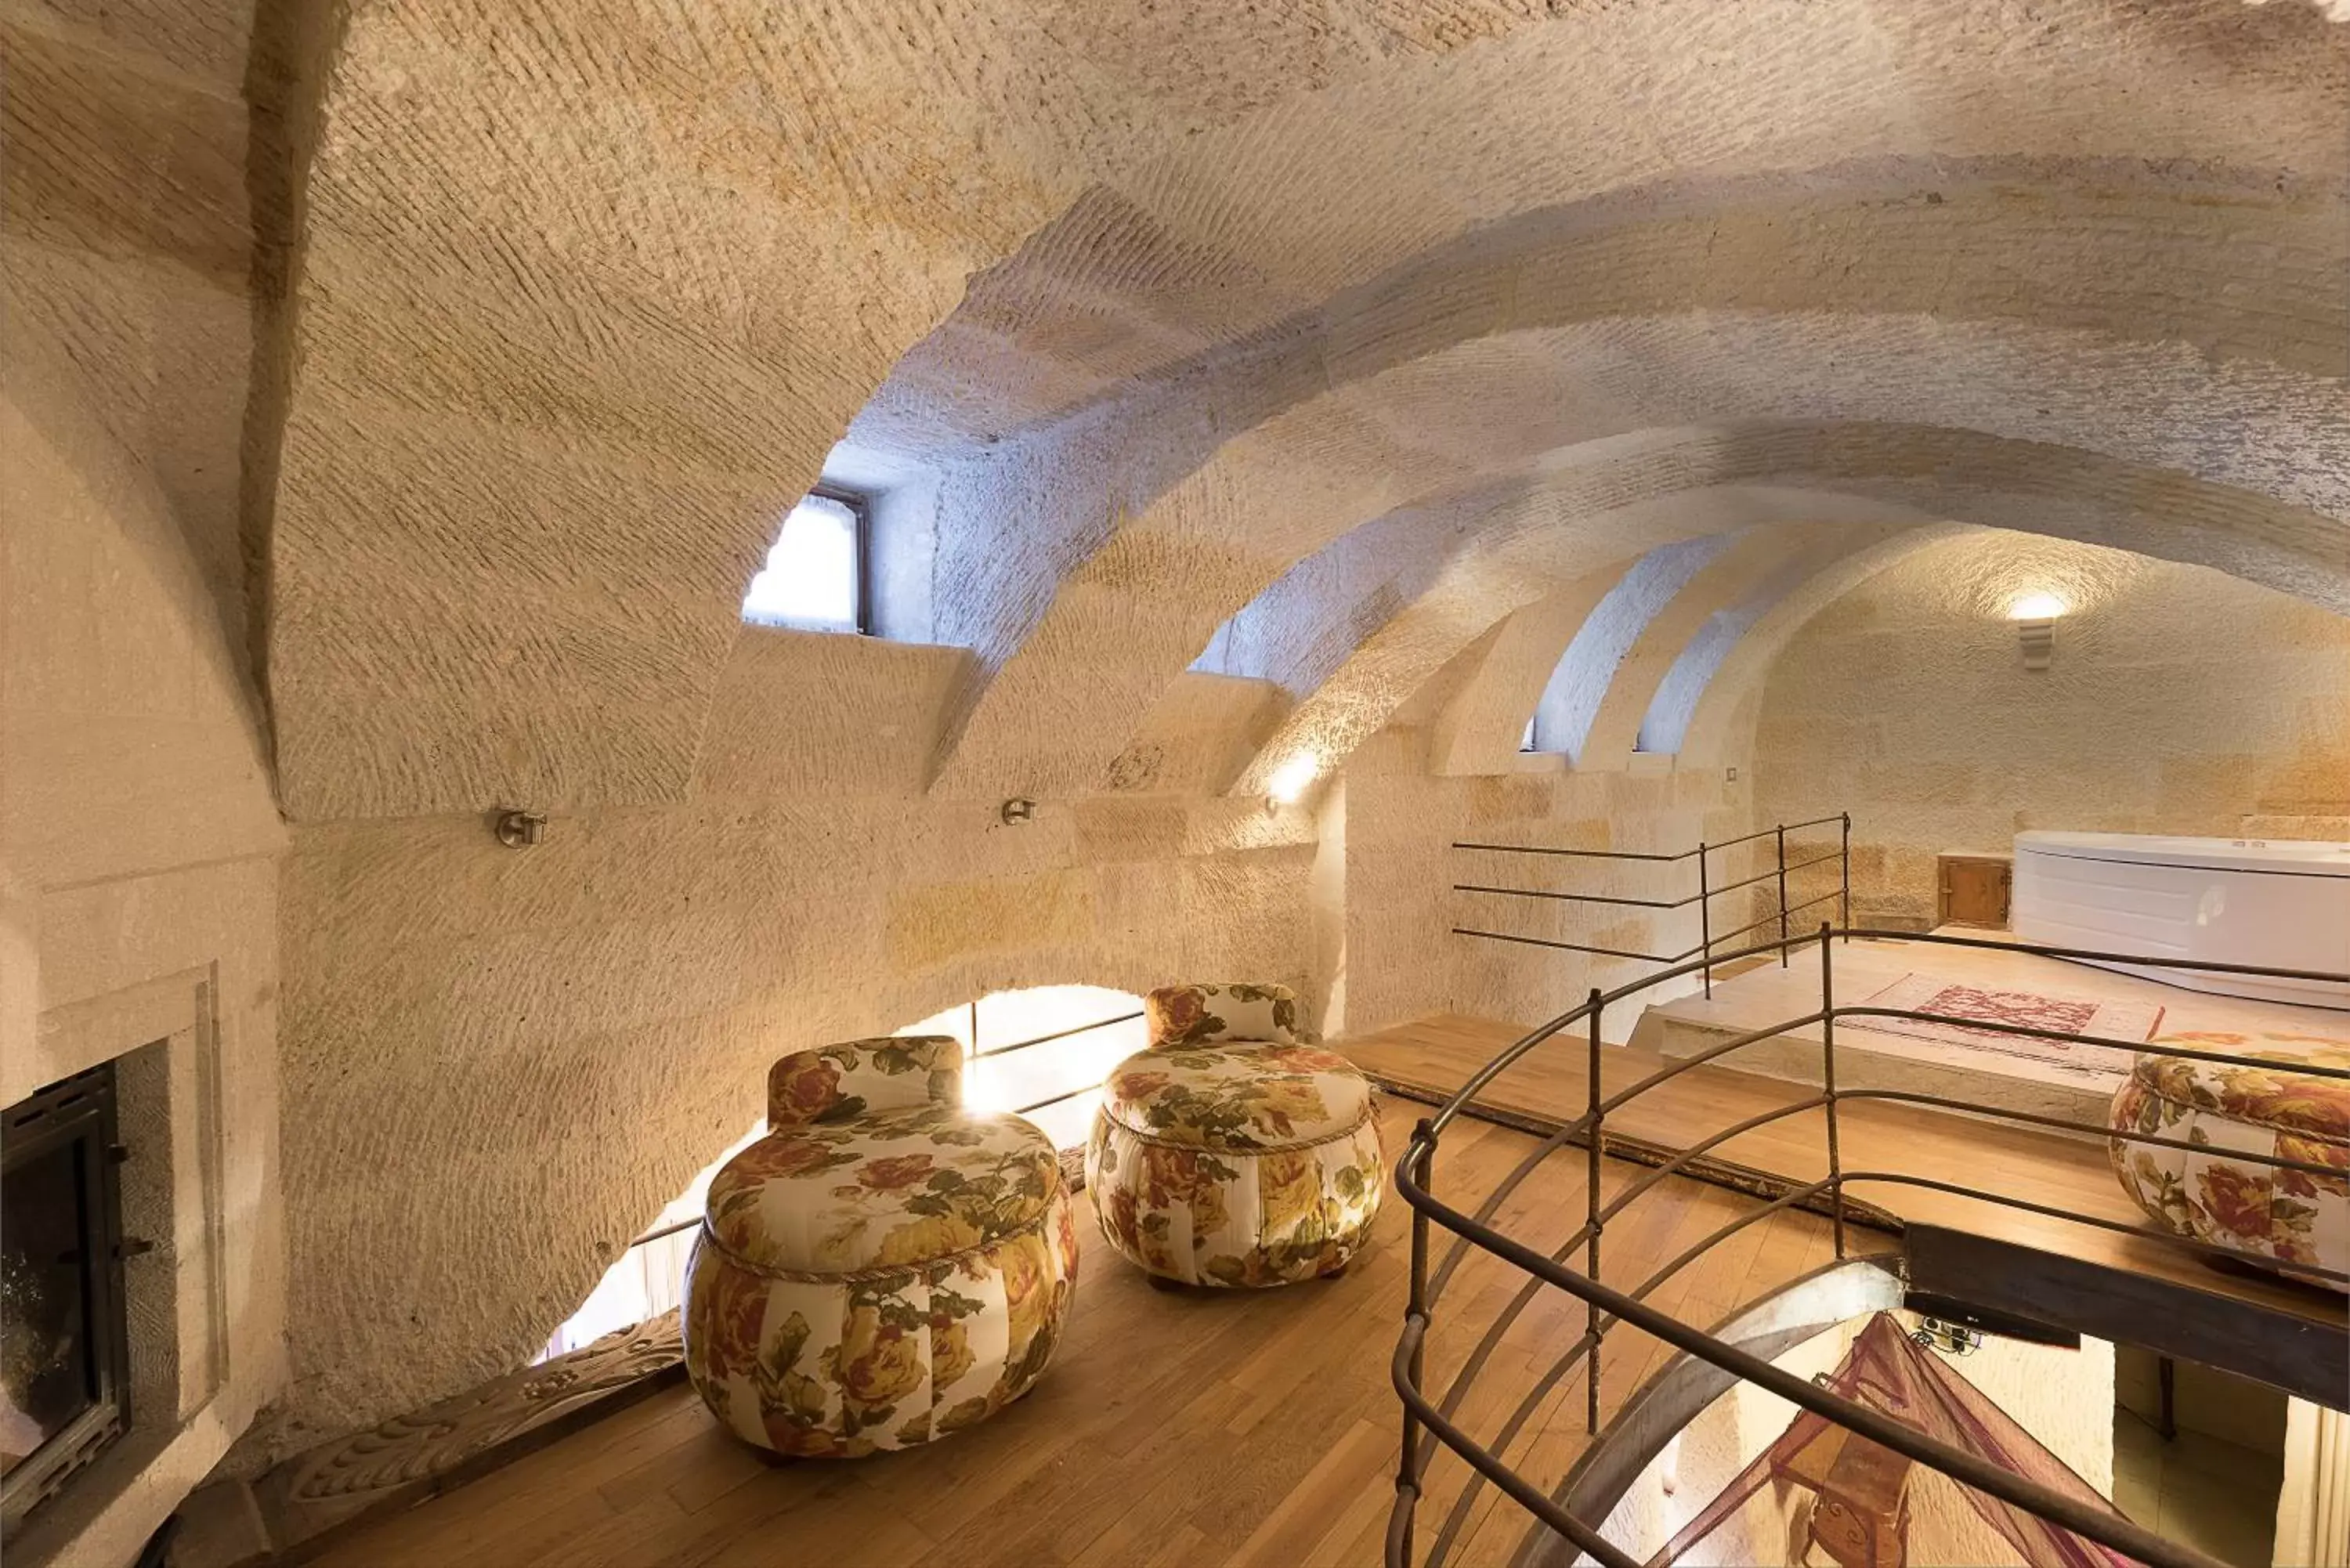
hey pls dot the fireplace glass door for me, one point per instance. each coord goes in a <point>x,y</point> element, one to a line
<point>62,1340</point>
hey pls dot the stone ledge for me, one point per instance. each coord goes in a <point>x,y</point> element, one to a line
<point>297,1509</point>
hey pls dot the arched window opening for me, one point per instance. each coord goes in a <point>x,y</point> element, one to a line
<point>1042,1050</point>
<point>815,576</point>
<point>648,1279</point>
<point>1578,683</point>
<point>1675,701</point>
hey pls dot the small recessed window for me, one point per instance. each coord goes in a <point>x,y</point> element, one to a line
<point>815,576</point>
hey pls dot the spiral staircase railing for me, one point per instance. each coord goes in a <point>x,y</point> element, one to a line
<point>1431,1424</point>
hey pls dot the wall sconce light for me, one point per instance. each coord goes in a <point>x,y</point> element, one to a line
<point>520,829</point>
<point>1019,809</point>
<point>1289,780</point>
<point>2035,616</point>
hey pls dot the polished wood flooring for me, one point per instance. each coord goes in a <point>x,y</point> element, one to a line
<point>1205,1427</point>
<point>1175,1426</point>
<point>1438,1054</point>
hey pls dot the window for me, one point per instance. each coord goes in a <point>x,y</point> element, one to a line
<point>1043,1051</point>
<point>649,1276</point>
<point>815,576</point>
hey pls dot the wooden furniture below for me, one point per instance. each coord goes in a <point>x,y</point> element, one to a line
<point>1972,888</point>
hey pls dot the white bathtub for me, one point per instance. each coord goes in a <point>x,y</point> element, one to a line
<point>2281,902</point>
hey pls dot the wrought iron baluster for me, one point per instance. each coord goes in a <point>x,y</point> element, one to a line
<point>1705,921</point>
<point>1592,1108</point>
<point>1783,895</point>
<point>1827,1085</point>
<point>1844,905</point>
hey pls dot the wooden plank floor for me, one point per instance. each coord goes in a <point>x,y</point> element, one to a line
<point>1438,1054</point>
<point>1198,1428</point>
<point>1177,1428</point>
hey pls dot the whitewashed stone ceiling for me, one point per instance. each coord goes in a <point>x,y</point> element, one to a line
<point>1178,297</point>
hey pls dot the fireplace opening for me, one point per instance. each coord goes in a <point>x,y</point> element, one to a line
<point>64,1347</point>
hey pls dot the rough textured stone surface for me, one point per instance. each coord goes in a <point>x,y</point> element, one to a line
<point>2178,701</point>
<point>406,392</point>
<point>601,361</point>
<point>139,840</point>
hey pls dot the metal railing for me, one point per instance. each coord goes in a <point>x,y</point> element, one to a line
<point>972,1054</point>
<point>1708,890</point>
<point>1428,1424</point>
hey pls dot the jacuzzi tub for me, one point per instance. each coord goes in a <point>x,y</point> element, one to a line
<point>2283,902</point>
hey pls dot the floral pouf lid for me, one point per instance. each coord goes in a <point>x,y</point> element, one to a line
<point>2294,1102</point>
<point>1237,1095</point>
<point>887,1190</point>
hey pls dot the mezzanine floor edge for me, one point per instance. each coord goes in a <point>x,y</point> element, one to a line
<point>1203,1428</point>
<point>1432,1057</point>
<point>1175,1426</point>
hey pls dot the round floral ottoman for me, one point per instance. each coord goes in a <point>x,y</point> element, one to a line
<point>2211,1194</point>
<point>1223,1158</point>
<point>884,1267</point>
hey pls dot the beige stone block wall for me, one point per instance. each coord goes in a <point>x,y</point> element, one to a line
<point>2178,701</point>
<point>1404,957</point>
<point>139,840</point>
<point>570,321</point>
<point>500,1063</point>
<point>138,854</point>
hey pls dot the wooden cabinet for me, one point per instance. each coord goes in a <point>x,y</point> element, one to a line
<point>1971,888</point>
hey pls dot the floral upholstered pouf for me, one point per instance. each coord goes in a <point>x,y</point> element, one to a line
<point>2294,1216</point>
<point>1223,1161</point>
<point>884,1267</point>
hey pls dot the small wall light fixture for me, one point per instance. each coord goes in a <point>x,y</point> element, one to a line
<point>520,829</point>
<point>1019,809</point>
<point>2035,616</point>
<point>1289,780</point>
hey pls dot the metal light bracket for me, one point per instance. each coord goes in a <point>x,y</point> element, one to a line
<point>2038,640</point>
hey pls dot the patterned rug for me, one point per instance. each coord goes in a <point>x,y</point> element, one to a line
<point>2132,1020</point>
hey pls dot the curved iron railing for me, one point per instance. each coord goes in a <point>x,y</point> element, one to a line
<point>1708,889</point>
<point>1431,1424</point>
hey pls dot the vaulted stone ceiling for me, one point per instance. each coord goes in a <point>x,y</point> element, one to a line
<point>1174,299</point>
<point>1388,337</point>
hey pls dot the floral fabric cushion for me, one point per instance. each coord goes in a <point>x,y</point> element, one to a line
<point>837,1082</point>
<point>2272,1097</point>
<point>839,1369</point>
<point>1194,1015</point>
<point>1238,1095</point>
<point>1209,1217</point>
<point>885,1190</point>
<point>2294,1216</point>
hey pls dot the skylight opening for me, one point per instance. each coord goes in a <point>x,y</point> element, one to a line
<point>815,576</point>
